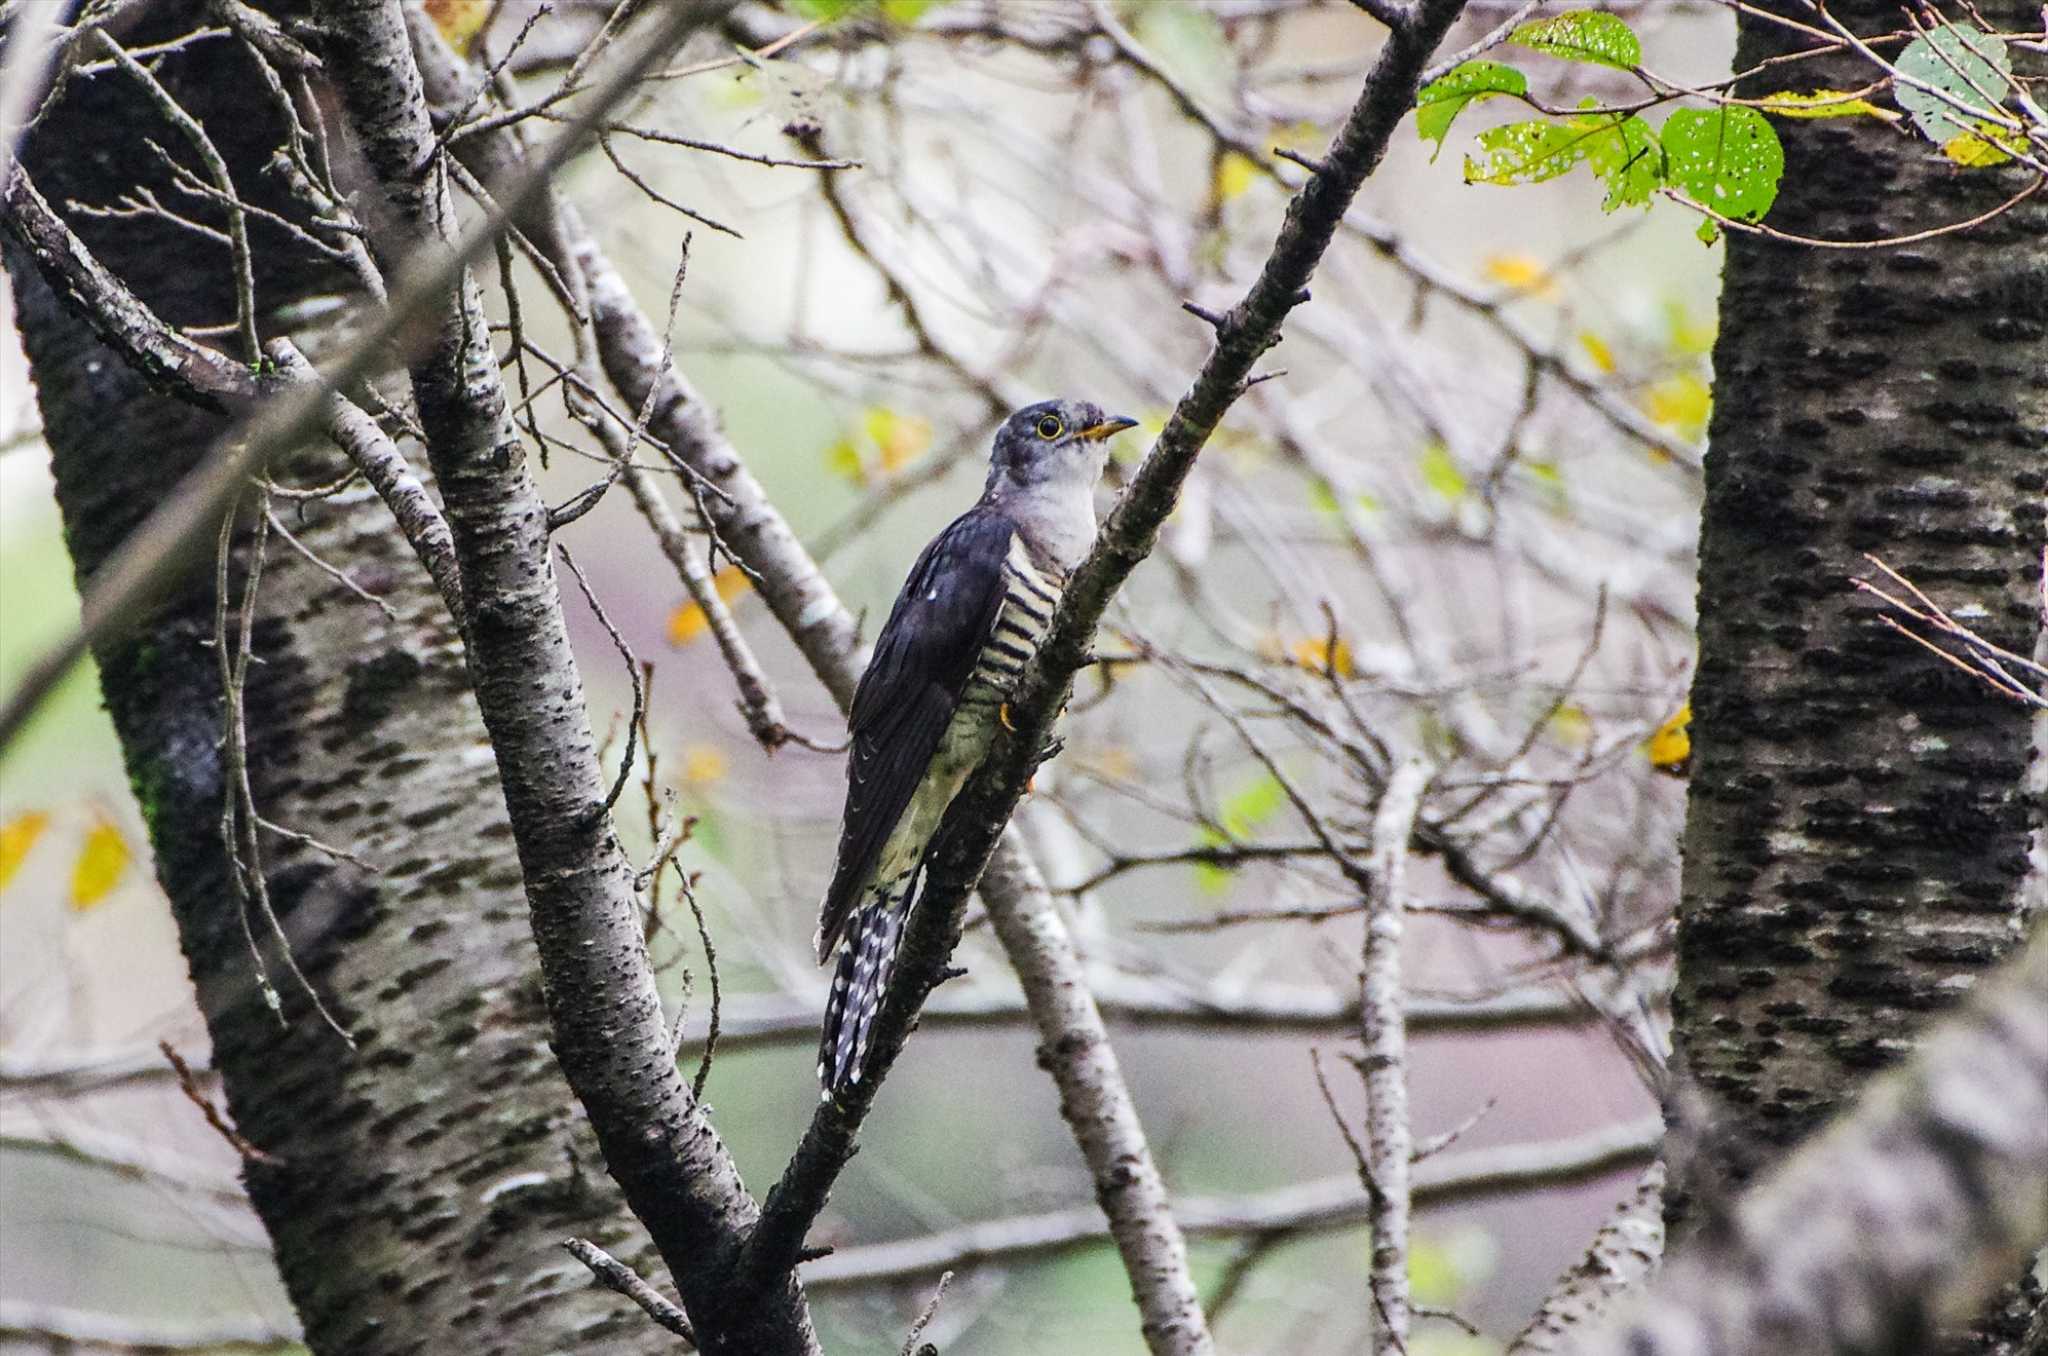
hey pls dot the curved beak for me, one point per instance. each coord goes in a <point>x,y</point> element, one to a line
<point>1108,428</point>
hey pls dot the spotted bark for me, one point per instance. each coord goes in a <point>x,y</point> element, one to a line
<point>419,1186</point>
<point>1858,824</point>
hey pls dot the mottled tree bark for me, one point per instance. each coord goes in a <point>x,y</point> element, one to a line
<point>1858,824</point>
<point>421,1185</point>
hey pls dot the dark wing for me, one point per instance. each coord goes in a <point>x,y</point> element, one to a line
<point>944,615</point>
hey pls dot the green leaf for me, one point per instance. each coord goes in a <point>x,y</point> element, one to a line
<point>1252,804</point>
<point>1210,878</point>
<point>1526,153</point>
<point>1708,231</point>
<point>1824,103</point>
<point>1967,64</point>
<point>823,11</point>
<point>1189,41</point>
<point>1583,35</point>
<point>1728,159</point>
<point>1441,474</point>
<point>906,12</point>
<point>1439,102</point>
<point>1625,152</point>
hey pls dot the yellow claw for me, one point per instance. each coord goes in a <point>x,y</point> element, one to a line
<point>1003,715</point>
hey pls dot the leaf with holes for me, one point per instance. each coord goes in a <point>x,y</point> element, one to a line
<point>1438,103</point>
<point>1526,153</point>
<point>1727,159</point>
<point>1967,65</point>
<point>1583,35</point>
<point>1625,153</point>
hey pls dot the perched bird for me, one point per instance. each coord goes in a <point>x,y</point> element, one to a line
<point>975,606</point>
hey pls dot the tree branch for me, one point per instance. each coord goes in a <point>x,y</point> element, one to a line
<point>1620,1258</point>
<point>373,453</point>
<point>1388,1147</point>
<point>1074,1048</point>
<point>1305,1207</point>
<point>1901,1218</point>
<point>975,821</point>
<point>609,1032</point>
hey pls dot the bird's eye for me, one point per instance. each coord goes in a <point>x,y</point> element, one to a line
<point>1050,427</point>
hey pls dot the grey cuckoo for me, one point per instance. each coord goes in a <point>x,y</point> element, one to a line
<point>975,606</point>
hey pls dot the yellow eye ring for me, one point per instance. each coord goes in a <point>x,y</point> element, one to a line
<point>1050,427</point>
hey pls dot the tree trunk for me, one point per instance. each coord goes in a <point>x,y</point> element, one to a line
<point>420,1186</point>
<point>1858,822</point>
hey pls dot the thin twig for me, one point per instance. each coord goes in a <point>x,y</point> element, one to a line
<point>188,1083</point>
<point>711,966</point>
<point>615,1276</point>
<point>632,672</point>
<point>924,1319</point>
<point>217,168</point>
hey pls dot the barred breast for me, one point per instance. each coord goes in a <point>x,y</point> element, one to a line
<point>1030,593</point>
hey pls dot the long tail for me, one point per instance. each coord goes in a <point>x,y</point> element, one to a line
<point>867,957</point>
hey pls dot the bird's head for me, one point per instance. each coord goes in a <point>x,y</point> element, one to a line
<point>1055,443</point>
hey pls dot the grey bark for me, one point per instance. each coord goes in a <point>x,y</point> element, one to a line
<point>1074,1048</point>
<point>1894,1224</point>
<point>1621,1256</point>
<point>1858,825</point>
<point>420,1186</point>
<point>609,1032</point>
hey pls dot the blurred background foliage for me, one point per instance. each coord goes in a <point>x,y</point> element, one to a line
<point>1498,573</point>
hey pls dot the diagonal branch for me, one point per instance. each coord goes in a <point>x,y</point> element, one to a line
<point>1620,1258</point>
<point>1074,1048</point>
<point>1902,1217</point>
<point>609,1034</point>
<point>976,818</point>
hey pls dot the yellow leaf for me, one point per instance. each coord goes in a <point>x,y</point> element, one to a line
<point>1974,152</point>
<point>1297,136</point>
<point>688,621</point>
<point>1234,174</point>
<point>1570,725</point>
<point>1316,654</point>
<point>1596,349</point>
<point>901,439</point>
<point>459,21</point>
<point>101,863</point>
<point>843,458</point>
<point>1686,336</point>
<point>1521,272</point>
<point>1670,748</point>
<point>1113,762</point>
<point>17,836</point>
<point>703,765</point>
<point>1826,103</point>
<point>1680,403</point>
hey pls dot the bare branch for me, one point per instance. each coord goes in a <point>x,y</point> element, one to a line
<point>1305,1207</point>
<point>385,467</point>
<point>1621,1257</point>
<point>614,1275</point>
<point>58,1329</point>
<point>1900,1218</point>
<point>609,1031</point>
<point>1074,1048</point>
<point>1385,1037</point>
